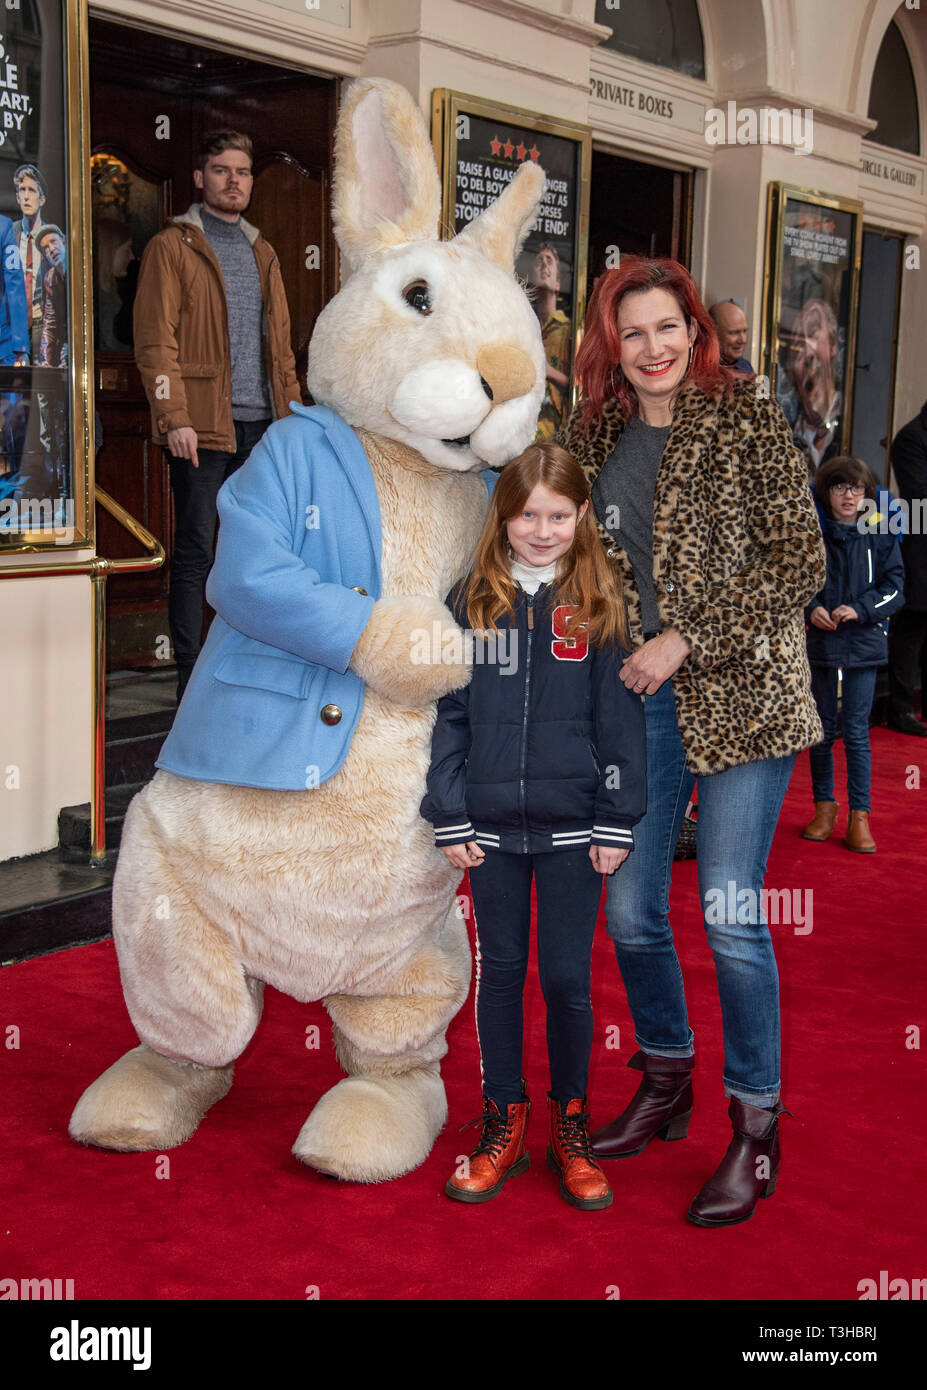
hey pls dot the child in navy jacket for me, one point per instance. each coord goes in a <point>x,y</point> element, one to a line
<point>848,633</point>
<point>537,771</point>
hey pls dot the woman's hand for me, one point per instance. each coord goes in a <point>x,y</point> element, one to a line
<point>821,618</point>
<point>606,860</point>
<point>844,614</point>
<point>464,856</point>
<point>645,670</point>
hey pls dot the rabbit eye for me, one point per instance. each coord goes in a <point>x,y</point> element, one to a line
<point>418,297</point>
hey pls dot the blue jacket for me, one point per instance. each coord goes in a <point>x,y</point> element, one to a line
<point>299,538</point>
<point>543,750</point>
<point>14,323</point>
<point>864,569</point>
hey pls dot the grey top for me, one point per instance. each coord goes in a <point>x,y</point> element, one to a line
<point>623,502</point>
<point>250,394</point>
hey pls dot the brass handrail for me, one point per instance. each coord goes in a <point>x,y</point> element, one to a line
<point>99,571</point>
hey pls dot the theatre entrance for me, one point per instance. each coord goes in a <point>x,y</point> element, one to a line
<point>152,99</point>
<point>637,209</point>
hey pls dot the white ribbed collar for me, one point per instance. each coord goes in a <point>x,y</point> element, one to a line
<point>531,577</point>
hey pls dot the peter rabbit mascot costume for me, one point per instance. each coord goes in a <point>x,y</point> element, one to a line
<point>280,841</point>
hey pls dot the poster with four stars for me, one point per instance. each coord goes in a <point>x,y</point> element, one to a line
<point>480,147</point>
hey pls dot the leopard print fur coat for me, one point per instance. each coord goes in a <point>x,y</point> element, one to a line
<point>737,553</point>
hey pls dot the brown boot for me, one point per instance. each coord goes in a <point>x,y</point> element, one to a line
<point>661,1106</point>
<point>747,1171</point>
<point>825,818</point>
<point>858,836</point>
<point>500,1154</point>
<point>582,1182</point>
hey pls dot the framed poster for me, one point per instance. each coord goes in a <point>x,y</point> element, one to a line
<point>813,245</point>
<point>479,146</point>
<point>46,429</point>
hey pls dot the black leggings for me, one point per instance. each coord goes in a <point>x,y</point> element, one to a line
<point>568,894</point>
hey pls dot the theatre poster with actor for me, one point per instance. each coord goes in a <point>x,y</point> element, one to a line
<point>44,428</point>
<point>480,146</point>
<point>814,247</point>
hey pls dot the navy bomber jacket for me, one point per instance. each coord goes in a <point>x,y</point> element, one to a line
<point>865,570</point>
<point>544,749</point>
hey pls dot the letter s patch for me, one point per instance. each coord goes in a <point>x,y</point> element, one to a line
<point>564,648</point>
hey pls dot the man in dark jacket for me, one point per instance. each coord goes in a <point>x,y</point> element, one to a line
<point>731,323</point>
<point>908,637</point>
<point>212,344</point>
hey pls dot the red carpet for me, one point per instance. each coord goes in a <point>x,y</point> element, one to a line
<point>238,1218</point>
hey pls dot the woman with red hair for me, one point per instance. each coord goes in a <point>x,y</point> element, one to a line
<point>703,507</point>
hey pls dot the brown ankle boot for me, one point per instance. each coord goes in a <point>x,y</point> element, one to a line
<point>859,837</point>
<point>662,1106</point>
<point>500,1154</point>
<point>747,1171</point>
<point>825,818</point>
<point>582,1182</point>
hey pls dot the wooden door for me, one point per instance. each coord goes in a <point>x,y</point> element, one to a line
<point>642,209</point>
<point>876,351</point>
<point>152,99</point>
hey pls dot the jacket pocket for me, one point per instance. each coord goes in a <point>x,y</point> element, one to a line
<point>274,673</point>
<point>201,386</point>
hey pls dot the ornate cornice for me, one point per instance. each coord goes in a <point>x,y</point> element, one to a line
<point>500,60</point>
<point>241,26</point>
<point>565,25</point>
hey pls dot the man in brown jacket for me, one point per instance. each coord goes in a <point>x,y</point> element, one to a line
<point>212,344</point>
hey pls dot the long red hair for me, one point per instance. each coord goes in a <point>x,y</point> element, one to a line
<point>585,580</point>
<point>597,361</point>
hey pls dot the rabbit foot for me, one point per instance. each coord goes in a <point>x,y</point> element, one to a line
<point>146,1101</point>
<point>374,1128</point>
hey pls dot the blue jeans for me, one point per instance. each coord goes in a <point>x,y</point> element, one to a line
<point>737,815</point>
<point>858,691</point>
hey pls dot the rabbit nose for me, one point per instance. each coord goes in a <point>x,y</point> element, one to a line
<point>506,372</point>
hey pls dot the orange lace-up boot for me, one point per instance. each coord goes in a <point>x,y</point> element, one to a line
<point>569,1154</point>
<point>500,1154</point>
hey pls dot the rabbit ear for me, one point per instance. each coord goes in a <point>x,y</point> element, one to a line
<point>386,190</point>
<point>499,232</point>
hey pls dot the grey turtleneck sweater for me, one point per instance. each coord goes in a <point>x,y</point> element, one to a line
<point>250,394</point>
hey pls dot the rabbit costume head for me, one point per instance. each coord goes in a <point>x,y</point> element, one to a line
<point>431,343</point>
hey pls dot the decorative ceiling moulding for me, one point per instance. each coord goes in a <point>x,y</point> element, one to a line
<point>483,58</point>
<point>268,32</point>
<point>565,26</point>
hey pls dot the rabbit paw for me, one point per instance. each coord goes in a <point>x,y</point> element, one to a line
<point>412,651</point>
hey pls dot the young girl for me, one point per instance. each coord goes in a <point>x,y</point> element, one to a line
<point>865,579</point>
<point>537,771</point>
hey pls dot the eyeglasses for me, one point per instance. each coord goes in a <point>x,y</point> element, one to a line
<point>854,489</point>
